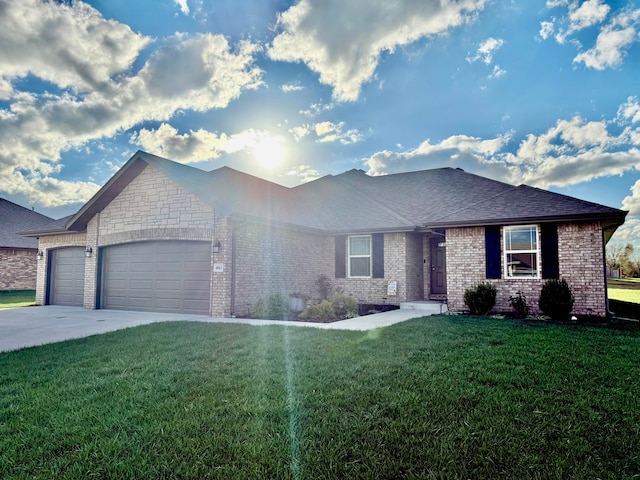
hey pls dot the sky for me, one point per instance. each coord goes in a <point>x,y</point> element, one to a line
<point>521,91</point>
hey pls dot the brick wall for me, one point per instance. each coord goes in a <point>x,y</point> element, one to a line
<point>18,268</point>
<point>580,252</point>
<point>278,260</point>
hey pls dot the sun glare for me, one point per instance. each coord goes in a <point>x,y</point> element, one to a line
<point>269,152</point>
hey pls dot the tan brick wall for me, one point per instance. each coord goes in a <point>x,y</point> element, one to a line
<point>402,263</point>
<point>278,260</point>
<point>580,252</point>
<point>18,268</point>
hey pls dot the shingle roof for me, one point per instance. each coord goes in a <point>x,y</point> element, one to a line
<point>15,219</point>
<point>356,202</point>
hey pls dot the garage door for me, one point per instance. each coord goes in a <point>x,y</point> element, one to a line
<point>66,285</point>
<point>171,276</point>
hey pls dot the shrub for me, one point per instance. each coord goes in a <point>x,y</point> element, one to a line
<point>325,287</point>
<point>321,311</point>
<point>345,306</point>
<point>480,299</point>
<point>272,307</point>
<point>556,299</point>
<point>519,304</point>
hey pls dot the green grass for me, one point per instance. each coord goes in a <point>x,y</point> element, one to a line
<point>17,298</point>
<point>624,289</point>
<point>441,397</point>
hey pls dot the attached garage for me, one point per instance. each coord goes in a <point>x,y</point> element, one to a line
<point>66,281</point>
<point>157,276</point>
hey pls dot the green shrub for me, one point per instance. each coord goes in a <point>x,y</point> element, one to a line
<point>556,299</point>
<point>345,306</point>
<point>480,299</point>
<point>321,311</point>
<point>272,307</point>
<point>519,304</point>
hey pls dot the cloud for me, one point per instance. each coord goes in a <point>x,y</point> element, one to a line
<point>197,146</point>
<point>303,173</point>
<point>485,50</point>
<point>629,112</point>
<point>69,45</point>
<point>90,60</point>
<point>184,7</point>
<point>612,42</point>
<point>332,132</point>
<point>291,88</point>
<point>300,131</point>
<point>343,41</point>
<point>571,152</point>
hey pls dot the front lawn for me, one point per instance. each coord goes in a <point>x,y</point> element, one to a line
<point>624,289</point>
<point>17,298</point>
<point>438,397</point>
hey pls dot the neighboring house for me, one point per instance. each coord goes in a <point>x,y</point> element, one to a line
<point>161,236</point>
<point>17,253</point>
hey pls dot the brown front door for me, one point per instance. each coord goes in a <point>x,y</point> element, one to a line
<point>438,266</point>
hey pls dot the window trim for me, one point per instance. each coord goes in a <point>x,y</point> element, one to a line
<point>506,253</point>
<point>350,256</point>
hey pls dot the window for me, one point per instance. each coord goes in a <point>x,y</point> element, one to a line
<point>360,256</point>
<point>521,251</point>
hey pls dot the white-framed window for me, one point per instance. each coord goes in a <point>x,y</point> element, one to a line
<point>521,251</point>
<point>360,256</point>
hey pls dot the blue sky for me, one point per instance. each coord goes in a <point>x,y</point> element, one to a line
<point>535,92</point>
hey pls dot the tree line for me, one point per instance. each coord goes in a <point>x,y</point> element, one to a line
<point>621,257</point>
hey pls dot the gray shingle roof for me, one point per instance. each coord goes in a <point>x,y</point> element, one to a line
<point>15,219</point>
<point>356,202</point>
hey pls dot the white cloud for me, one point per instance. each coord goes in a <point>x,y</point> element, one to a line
<point>69,45</point>
<point>589,13</point>
<point>497,72</point>
<point>332,132</point>
<point>300,131</point>
<point>629,111</point>
<point>571,152</point>
<point>200,145</point>
<point>291,88</point>
<point>612,42</point>
<point>316,109</point>
<point>90,59</point>
<point>303,173</point>
<point>184,6</point>
<point>632,202</point>
<point>343,41</point>
<point>486,49</point>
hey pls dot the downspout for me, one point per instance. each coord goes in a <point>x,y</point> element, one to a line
<point>609,313</point>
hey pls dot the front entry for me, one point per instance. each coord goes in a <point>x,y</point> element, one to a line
<point>438,266</point>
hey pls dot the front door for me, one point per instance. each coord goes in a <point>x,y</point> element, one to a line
<point>438,266</point>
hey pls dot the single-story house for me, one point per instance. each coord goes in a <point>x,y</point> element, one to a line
<point>162,236</point>
<point>18,253</point>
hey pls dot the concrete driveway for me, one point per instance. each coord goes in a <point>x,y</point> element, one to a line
<point>31,326</point>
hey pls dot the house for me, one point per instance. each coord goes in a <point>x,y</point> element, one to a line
<point>17,253</point>
<point>162,236</point>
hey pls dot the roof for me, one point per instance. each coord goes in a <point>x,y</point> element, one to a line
<point>355,202</point>
<point>15,219</point>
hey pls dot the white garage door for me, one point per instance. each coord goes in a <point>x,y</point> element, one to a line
<point>66,286</point>
<point>159,276</point>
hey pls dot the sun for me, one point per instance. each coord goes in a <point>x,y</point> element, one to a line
<point>269,152</point>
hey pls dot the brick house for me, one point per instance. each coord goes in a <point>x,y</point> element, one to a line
<point>17,253</point>
<point>161,236</point>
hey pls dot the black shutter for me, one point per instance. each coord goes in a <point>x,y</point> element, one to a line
<point>492,251</point>
<point>550,263</point>
<point>341,256</point>
<point>377,247</point>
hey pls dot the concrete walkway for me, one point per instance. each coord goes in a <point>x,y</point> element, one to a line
<point>31,326</point>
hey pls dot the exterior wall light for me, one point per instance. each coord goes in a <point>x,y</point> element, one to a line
<point>40,255</point>
<point>88,251</point>
<point>216,246</point>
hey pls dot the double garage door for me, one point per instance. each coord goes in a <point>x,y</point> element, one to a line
<point>162,276</point>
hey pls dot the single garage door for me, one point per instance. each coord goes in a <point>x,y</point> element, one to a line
<point>162,276</point>
<point>66,286</point>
